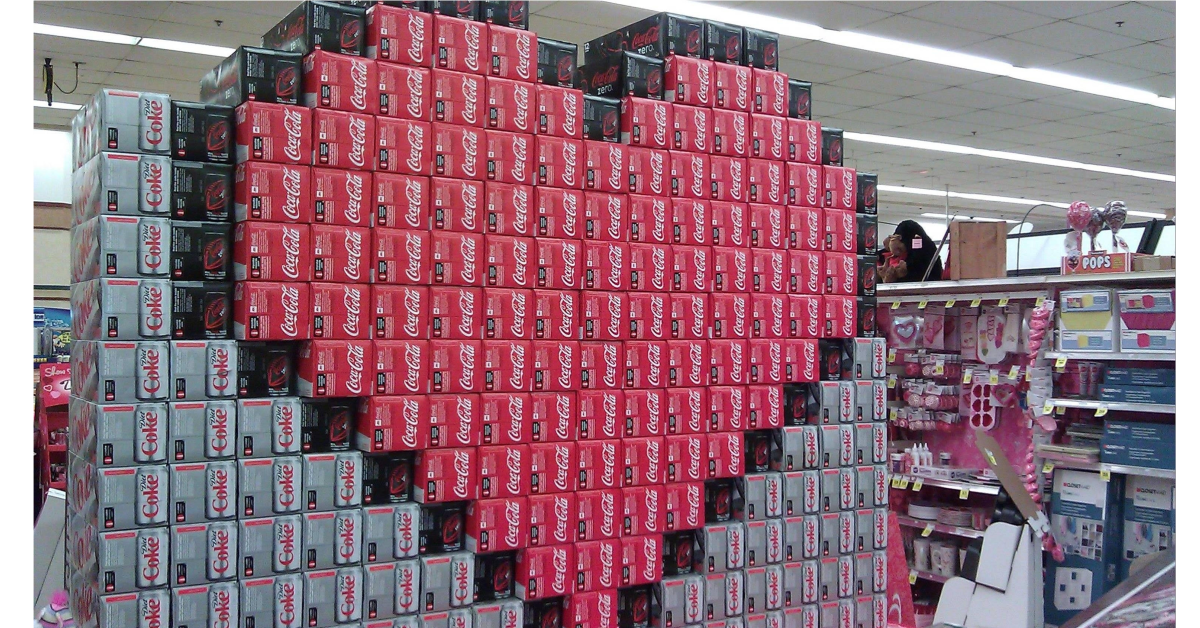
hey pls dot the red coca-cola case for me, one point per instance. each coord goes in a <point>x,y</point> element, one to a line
<point>508,261</point>
<point>766,360</point>
<point>271,311</point>
<point>405,91</point>
<point>691,129</point>
<point>645,364</point>
<point>559,264</point>
<point>338,197</point>
<point>650,267</point>
<point>458,44</point>
<point>643,463</point>
<point>542,572</point>
<point>513,53</point>
<point>600,414</point>
<point>339,253</point>
<point>555,315</point>
<point>686,410</point>
<point>806,272</point>
<point>841,273</point>
<point>509,157</point>
<point>550,517</point>
<point>272,192</point>
<point>647,315</point>
<point>445,475</point>
<point>801,357</point>
<point>731,315</point>
<point>559,111</point>
<point>690,315</point>
<point>271,252</point>
<point>399,312</point>
<point>805,186</point>
<point>456,259</point>
<point>455,366</point>
<point>596,518</point>
<point>641,560</point>
<point>404,146</point>
<point>553,416</point>
<point>841,188</point>
<point>560,162</point>
<point>725,455</point>
<point>400,35</point>
<point>456,313</point>
<point>693,271</point>
<point>400,256</point>
<point>458,98</point>
<point>505,418</point>
<point>688,81</point>
<point>804,141</point>
<point>454,420</point>
<point>401,201</point>
<point>496,525</point>
<point>596,576</point>
<point>770,92</point>
<point>807,315</point>
<point>766,182</point>
<point>685,455</point>
<point>806,228</point>
<point>645,122</point>
<point>507,365</point>
<point>691,220</point>
<point>647,170</point>
<point>727,408</point>
<point>645,412</point>
<point>728,363</point>
<point>604,315</point>
<point>767,227</point>
<point>334,368</point>
<point>768,270</point>
<point>556,365</point>
<point>458,152</point>
<point>457,205</point>
<point>597,463</point>
<point>841,231</point>
<point>604,164</point>
<point>605,265</point>
<point>727,179</point>
<point>503,471</point>
<point>690,175</point>
<point>841,316</point>
<point>337,311</point>
<point>730,132</point>
<point>765,404</point>
<point>684,504</point>
<point>401,367</point>
<point>342,82</point>
<point>551,467</point>
<point>729,224</point>
<point>273,132</point>
<point>604,217</point>
<point>343,140</point>
<point>649,219</point>
<point>731,87</point>
<point>396,423</point>
<point>506,313</point>
<point>768,315</point>
<point>768,137</point>
<point>600,364</point>
<point>557,212</point>
<point>687,362</point>
<point>510,105</point>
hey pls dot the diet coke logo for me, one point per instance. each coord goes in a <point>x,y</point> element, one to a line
<point>218,488</point>
<point>347,594</point>
<point>566,303</point>
<point>466,247</point>
<point>358,75</point>
<point>285,538</point>
<point>470,144</point>
<point>152,303</point>
<point>416,146</point>
<point>218,420</point>
<point>293,126</point>
<point>416,38</point>
<point>462,470</point>
<point>347,537</point>
<point>290,299</point>
<point>148,426</point>
<point>464,408</point>
<point>412,363</point>
<point>406,588</point>
<point>466,356</point>
<point>149,490</point>
<point>358,140</point>
<point>152,174</point>
<point>516,353</point>
<point>153,112</point>
<point>471,35</point>
<point>412,246</point>
<point>416,94</point>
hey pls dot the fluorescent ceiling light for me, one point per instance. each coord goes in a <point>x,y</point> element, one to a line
<point>958,149</point>
<point>79,33</point>
<point>974,218</point>
<point>1147,214</point>
<point>183,46</point>
<point>919,52</point>
<point>990,198</point>
<point>57,105</point>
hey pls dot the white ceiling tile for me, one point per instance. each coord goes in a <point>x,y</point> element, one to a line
<point>564,30</point>
<point>171,58</point>
<point>1093,103</point>
<point>884,83</point>
<point>1139,21</point>
<point>891,118</point>
<point>822,108</point>
<point>1018,53</point>
<point>161,71</point>
<point>1161,132</point>
<point>968,98</point>
<point>1102,122</point>
<point>837,122</point>
<point>1096,69</point>
<point>892,7</point>
<point>834,15</point>
<point>603,14</point>
<point>1061,10</point>
<point>143,10</point>
<point>995,119</point>
<point>985,17</point>
<point>932,73</point>
<point>1013,88</point>
<point>840,56</point>
<point>1147,114</point>
<point>1161,84</point>
<point>1039,110</point>
<point>261,8</point>
<point>78,49</point>
<point>929,109</point>
<point>211,36</point>
<point>83,15</point>
<point>961,132</point>
<point>232,19</point>
<point>814,72</point>
<point>1150,57</point>
<point>847,96</point>
<point>537,6</point>
<point>911,29</point>
<point>1071,37</point>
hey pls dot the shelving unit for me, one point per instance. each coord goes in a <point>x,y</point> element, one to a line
<point>1116,468</point>
<point>1098,356</point>
<point>1116,406</point>
<point>921,524</point>
<point>974,487</point>
<point>928,575</point>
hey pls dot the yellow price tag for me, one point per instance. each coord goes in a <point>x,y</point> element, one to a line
<point>1048,408</point>
<point>951,302</point>
<point>922,303</point>
<point>891,355</point>
<point>928,530</point>
<point>1003,302</point>
<point>1014,372</point>
<point>892,415</point>
<point>1028,375</point>
<point>912,577</point>
<point>895,305</point>
<point>1048,467</point>
<point>1105,475</point>
<point>964,493</point>
<point>993,378</point>
<point>903,483</point>
<point>891,381</point>
<point>895,482</point>
<point>967,376</point>
<point>976,301</point>
<point>1060,410</point>
<point>939,368</point>
<point>917,484</point>
<point>1101,411</point>
<point>1060,364</point>
<point>1039,302</point>
<point>991,458</point>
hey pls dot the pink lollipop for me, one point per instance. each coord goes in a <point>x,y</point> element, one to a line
<point>1079,214</point>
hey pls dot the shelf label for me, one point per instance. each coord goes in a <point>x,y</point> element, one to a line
<point>912,577</point>
<point>1048,408</point>
<point>891,381</point>
<point>1101,411</point>
<point>895,305</point>
<point>1048,467</point>
<point>1029,375</point>
<point>951,302</point>
<point>976,301</point>
<point>922,303</point>
<point>892,355</point>
<point>993,377</point>
<point>967,376</point>
<point>892,415</point>
<point>1060,364</point>
<point>1014,372</point>
<point>903,482</point>
<point>928,530</point>
<point>1039,302</point>
<point>895,481</point>
<point>964,493</point>
<point>1003,302</point>
<point>917,484</point>
<point>1060,410</point>
<point>1105,475</point>
<point>939,367</point>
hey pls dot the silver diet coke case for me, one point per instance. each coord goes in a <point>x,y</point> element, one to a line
<point>268,427</point>
<point>203,491</point>
<point>332,481</point>
<point>203,552</point>
<point>132,497</point>
<point>274,601</point>
<point>133,559</point>
<point>509,614</point>
<point>121,120</point>
<point>202,430</point>
<point>120,372</point>
<point>203,369</point>
<point>332,596</point>
<point>379,591</point>
<point>121,309</point>
<point>124,247</point>
<point>270,545</point>
<point>332,539</point>
<point>679,601</point>
<point>269,486</point>
<point>117,435</point>
<point>390,532</point>
<point>208,605</point>
<point>774,541</point>
<point>138,610</point>
<point>755,540</point>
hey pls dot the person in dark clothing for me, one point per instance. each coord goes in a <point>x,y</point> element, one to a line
<point>906,255</point>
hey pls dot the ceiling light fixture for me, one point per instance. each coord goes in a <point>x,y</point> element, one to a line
<point>57,105</point>
<point>919,52</point>
<point>130,40</point>
<point>183,46</point>
<point>991,198</point>
<point>974,218</point>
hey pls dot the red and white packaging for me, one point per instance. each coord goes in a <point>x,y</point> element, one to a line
<point>400,256</point>
<point>402,367</point>
<point>596,515</point>
<point>405,91</point>
<point>800,356</point>
<point>731,269</point>
<point>731,87</point>
<point>647,315</point>
<point>767,227</point>
<point>509,210</point>
<point>725,455</point>
<point>841,273</point>
<point>768,315</point>
<point>457,204</point>
<point>342,82</point>
<point>841,187</point>
<point>688,81</point>
<point>645,122</point>
<point>766,182</point>
<point>404,146</point>
<point>454,420</point>
<point>338,195</point>
<point>691,220</point>
<point>645,364</point>
<point>503,471</point>
<point>643,462</point>
<point>343,140</point>
<point>731,315</point>
<point>685,503</point>
<point>600,414</point>
<point>550,517</point>
<point>841,316</point>
<point>769,270</point>
<point>728,408</point>
<point>339,253</point>
<point>557,212</point>
<point>604,315</point>
<point>458,152</point>
<point>556,317</point>
<point>691,129</point>
<point>766,360</point>
<point>273,132</point>
<point>596,463</point>
<point>459,44</point>
<point>505,418</point>
<point>395,35</point>
<point>560,162</point>
<point>804,141</point>
<point>641,559</point>
<point>647,170</point>
<point>605,265</point>
<point>458,98</point>
<point>553,416</point>
<point>686,408</point>
<point>690,174</point>
<point>688,362</point>
<point>509,157</point>
<point>770,92</point>
<point>559,111</point>
<point>455,366</point>
<point>649,266</point>
<point>841,231</point>
<point>559,263</point>
<point>338,311</point>
<point>272,192</point>
<point>271,311</point>
<point>693,268</point>
<point>649,219</point>
<point>806,272</point>
<point>768,137</point>
<point>510,105</point>
<point>507,365</point>
<point>456,259</point>
<point>600,364</point>
<point>596,568</point>
<point>400,200</point>
<point>604,166</point>
<point>542,572</point>
<point>507,313</point>
<point>514,53</point>
<point>685,456</point>
<point>805,186</point>
<point>271,252</point>
<point>555,365</point>
<point>552,469</point>
<point>455,313</point>
<point>806,228</point>
<point>395,423</point>
<point>728,179</point>
<point>508,261</point>
<point>497,525</point>
<point>445,475</point>
<point>730,132</point>
<point>334,368</point>
<point>728,357</point>
<point>604,217</point>
<point>765,405</point>
<point>807,315</point>
<point>398,312</point>
<point>728,224</point>
<point>690,315</point>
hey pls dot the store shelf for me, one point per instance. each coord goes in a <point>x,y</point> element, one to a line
<point>921,524</point>
<point>1003,284</point>
<point>56,448</point>
<point>1115,468</point>
<point>928,575</point>
<point>1132,357</point>
<point>985,489</point>
<point>1115,406</point>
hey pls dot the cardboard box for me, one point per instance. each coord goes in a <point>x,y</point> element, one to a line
<point>1149,524</point>
<point>1147,320</point>
<point>1086,321</point>
<point>1144,263</point>
<point>1138,444</point>
<point>1085,517</point>
<point>1138,394</point>
<point>978,250</point>
<point>1131,376</point>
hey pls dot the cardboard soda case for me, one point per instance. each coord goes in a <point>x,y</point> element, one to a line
<point>122,121</point>
<point>273,132</point>
<point>403,146</point>
<point>512,50</point>
<point>399,35</point>
<point>120,246</point>
<point>339,81</point>
<point>122,184</point>
<point>458,98</point>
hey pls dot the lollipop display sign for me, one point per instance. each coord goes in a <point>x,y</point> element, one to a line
<point>1085,219</point>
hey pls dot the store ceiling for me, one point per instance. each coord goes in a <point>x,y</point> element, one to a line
<point>860,91</point>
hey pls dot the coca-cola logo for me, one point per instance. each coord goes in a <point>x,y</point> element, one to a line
<point>470,90</point>
<point>694,405</point>
<point>353,244</point>
<point>516,417</point>
<point>700,269</point>
<point>416,149</point>
<point>524,51</point>
<point>698,176</point>
<point>290,239</point>
<point>559,559</point>
<point>462,470</point>
<point>739,134</point>
<point>616,260</point>
<point>151,371</point>
<point>416,38</point>
<point>512,508</point>
<point>616,161</point>
<point>657,304</point>
<point>735,366</point>
<point>416,96</point>
<point>516,353</point>
<point>412,364</point>
<point>412,247</point>
<point>465,409</point>
<point>566,302</point>
<point>466,325</point>
<point>570,106</point>
<point>562,461</point>
<point>606,566</point>
<point>610,365</point>
<point>654,373</point>
<point>735,178</point>
<point>466,247</point>
<point>358,76</point>
<point>607,509</point>
<point>773,176</point>
<point>412,417</point>
<point>358,140</point>
<point>570,159</point>
<point>520,255</point>
<point>739,316</point>
<point>290,300</point>
<point>519,172</point>
<point>658,213</point>
<point>472,34</point>
<point>562,407</point>
<point>293,127</point>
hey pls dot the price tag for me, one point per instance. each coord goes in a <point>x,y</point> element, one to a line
<point>922,303</point>
<point>1014,372</point>
<point>1039,302</point>
<point>993,377</point>
<point>967,376</point>
<point>939,368</point>
<point>895,305</point>
<point>1048,408</point>
<point>951,302</point>
<point>917,484</point>
<point>928,530</point>
<point>1101,411</point>
<point>1060,364</point>
<point>964,493</point>
<point>912,577</point>
<point>1105,475</point>
<point>895,482</point>
<point>903,482</point>
<point>976,301</point>
<point>1003,302</point>
<point>1028,375</point>
<point>1048,467</point>
<point>892,414</point>
<point>892,355</point>
<point>891,381</point>
<point>1059,410</point>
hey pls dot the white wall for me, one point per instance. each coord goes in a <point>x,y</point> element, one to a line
<point>51,155</point>
<point>51,257</point>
